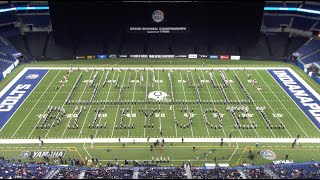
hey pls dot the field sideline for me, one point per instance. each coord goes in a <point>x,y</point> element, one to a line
<point>21,127</point>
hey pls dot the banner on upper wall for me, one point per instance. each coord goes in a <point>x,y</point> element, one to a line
<point>80,57</point>
<point>180,56</point>
<point>91,57</point>
<point>192,56</point>
<point>235,58</point>
<point>224,57</point>
<point>113,56</point>
<point>103,56</point>
<point>123,56</point>
<point>202,56</point>
<point>213,56</point>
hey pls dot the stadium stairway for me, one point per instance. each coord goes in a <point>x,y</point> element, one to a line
<point>188,172</point>
<point>81,175</point>
<point>135,174</point>
<point>275,176</point>
<point>51,174</point>
<point>243,175</point>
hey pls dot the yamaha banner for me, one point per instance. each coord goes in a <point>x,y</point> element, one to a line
<point>41,154</point>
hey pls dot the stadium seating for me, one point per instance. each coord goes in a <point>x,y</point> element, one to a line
<point>302,23</point>
<point>276,21</point>
<point>114,173</point>
<point>41,170</point>
<point>313,58</point>
<point>4,65</point>
<point>6,47</point>
<point>67,173</point>
<point>23,171</point>
<point>309,47</point>
<point>256,173</point>
<point>162,173</point>
<point>36,20</point>
<point>216,173</point>
<point>10,32</point>
<point>298,171</point>
<point>7,17</point>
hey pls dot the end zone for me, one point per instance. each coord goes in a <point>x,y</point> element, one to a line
<point>13,96</point>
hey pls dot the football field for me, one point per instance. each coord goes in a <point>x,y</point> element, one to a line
<point>124,102</point>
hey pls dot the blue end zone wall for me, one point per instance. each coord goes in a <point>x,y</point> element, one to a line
<point>301,95</point>
<point>18,93</point>
<point>301,66</point>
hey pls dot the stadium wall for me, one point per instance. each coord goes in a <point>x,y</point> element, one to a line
<point>8,70</point>
<point>301,66</point>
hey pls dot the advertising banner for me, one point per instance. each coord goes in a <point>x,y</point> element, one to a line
<point>80,57</point>
<point>112,56</point>
<point>41,154</point>
<point>224,57</point>
<point>123,56</point>
<point>192,56</point>
<point>134,56</point>
<point>202,56</point>
<point>91,57</point>
<point>235,58</point>
<point>104,56</point>
<point>180,56</point>
<point>213,56</point>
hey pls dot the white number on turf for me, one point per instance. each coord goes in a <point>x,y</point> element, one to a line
<point>277,115</point>
<point>159,114</point>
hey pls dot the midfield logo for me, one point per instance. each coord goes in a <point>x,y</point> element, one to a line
<point>269,155</point>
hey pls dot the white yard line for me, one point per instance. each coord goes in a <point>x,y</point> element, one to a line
<point>86,150</point>
<point>234,152</point>
<point>272,108</point>
<point>221,92</point>
<point>117,112</point>
<point>212,100</point>
<point>185,98</point>
<point>174,113</point>
<point>36,102</point>
<point>48,105</point>
<point>260,114</point>
<point>103,107</point>
<point>159,103</point>
<point>14,80</point>
<point>114,72</point>
<point>145,106</point>
<point>282,104</point>
<point>134,91</point>
<point>75,108</point>
<point>239,100</point>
